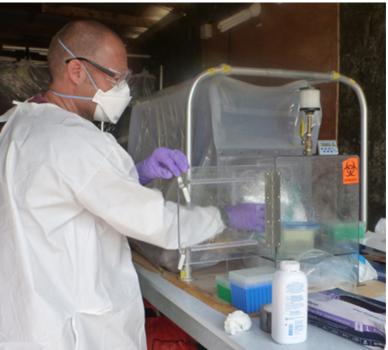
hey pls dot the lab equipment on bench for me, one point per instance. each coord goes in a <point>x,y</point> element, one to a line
<point>249,144</point>
<point>309,103</point>
<point>289,304</point>
<point>327,148</point>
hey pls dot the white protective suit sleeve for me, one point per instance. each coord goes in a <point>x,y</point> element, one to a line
<point>142,213</point>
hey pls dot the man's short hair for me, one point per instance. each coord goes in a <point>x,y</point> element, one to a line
<point>83,38</point>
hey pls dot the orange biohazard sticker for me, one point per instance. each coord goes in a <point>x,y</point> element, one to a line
<point>350,171</point>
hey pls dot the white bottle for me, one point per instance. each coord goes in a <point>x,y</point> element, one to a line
<point>289,304</point>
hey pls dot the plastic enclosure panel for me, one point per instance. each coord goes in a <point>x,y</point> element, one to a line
<point>255,118</point>
<point>231,118</point>
<point>222,187</point>
<point>318,210</point>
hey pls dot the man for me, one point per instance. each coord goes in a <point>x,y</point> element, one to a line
<point>69,196</point>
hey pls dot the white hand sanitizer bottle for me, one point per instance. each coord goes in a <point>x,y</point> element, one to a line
<point>289,304</point>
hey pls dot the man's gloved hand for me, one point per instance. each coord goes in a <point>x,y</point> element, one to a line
<point>246,216</point>
<point>164,163</point>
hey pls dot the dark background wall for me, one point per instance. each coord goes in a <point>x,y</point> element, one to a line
<point>178,49</point>
<point>362,57</point>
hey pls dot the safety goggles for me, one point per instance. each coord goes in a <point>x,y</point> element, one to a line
<point>115,77</point>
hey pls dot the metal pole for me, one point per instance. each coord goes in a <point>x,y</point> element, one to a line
<point>161,77</point>
<point>363,143</point>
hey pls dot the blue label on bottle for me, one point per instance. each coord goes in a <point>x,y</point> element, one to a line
<point>290,329</point>
<point>295,287</point>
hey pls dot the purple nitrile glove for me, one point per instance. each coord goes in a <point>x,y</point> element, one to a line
<point>164,163</point>
<point>247,216</point>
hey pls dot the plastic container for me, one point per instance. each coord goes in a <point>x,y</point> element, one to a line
<point>296,238</point>
<point>346,231</point>
<point>223,288</point>
<point>289,304</point>
<point>251,288</point>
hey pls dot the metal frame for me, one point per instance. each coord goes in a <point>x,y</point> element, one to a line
<point>272,208</point>
<point>314,78</point>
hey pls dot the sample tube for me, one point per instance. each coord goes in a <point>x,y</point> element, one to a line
<point>184,189</point>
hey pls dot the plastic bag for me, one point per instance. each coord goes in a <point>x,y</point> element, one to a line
<point>326,271</point>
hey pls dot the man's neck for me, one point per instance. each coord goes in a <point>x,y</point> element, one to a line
<point>65,103</point>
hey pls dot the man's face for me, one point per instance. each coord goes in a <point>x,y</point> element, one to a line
<point>113,57</point>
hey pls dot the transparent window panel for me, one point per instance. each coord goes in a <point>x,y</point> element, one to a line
<point>319,214</point>
<point>222,187</point>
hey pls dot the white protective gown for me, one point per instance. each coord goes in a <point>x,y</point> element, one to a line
<point>69,196</point>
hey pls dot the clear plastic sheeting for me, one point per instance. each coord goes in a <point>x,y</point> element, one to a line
<point>326,271</point>
<point>233,122</point>
<point>20,81</point>
<point>231,119</point>
<point>257,120</point>
<point>159,120</point>
<point>142,85</point>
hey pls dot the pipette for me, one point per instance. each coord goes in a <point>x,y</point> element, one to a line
<point>186,195</point>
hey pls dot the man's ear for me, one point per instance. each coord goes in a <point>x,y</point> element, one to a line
<point>76,72</point>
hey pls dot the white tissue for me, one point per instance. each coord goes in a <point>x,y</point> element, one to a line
<point>380,227</point>
<point>377,239</point>
<point>236,322</point>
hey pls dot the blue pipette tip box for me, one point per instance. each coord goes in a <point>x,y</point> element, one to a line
<point>251,288</point>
